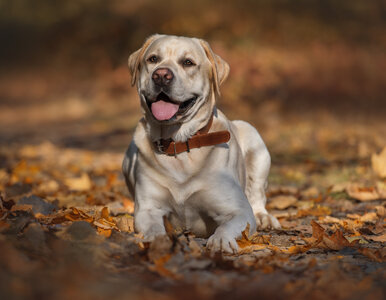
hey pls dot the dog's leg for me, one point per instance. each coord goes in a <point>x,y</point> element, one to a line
<point>129,166</point>
<point>226,204</point>
<point>150,208</point>
<point>149,211</point>
<point>257,163</point>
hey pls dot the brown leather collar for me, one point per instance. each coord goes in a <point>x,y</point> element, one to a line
<point>201,139</point>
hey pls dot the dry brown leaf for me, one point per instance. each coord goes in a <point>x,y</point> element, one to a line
<point>82,183</point>
<point>315,211</point>
<point>252,243</point>
<point>280,190</point>
<point>310,193</point>
<point>336,241</point>
<point>50,186</point>
<point>281,202</point>
<point>339,187</point>
<point>329,220</point>
<point>376,238</point>
<point>378,163</point>
<point>317,231</point>
<point>125,223</point>
<point>362,193</point>
<point>381,211</point>
<point>256,238</point>
<point>105,223</point>
<point>370,217</point>
<point>244,241</point>
<point>24,207</point>
<point>321,239</point>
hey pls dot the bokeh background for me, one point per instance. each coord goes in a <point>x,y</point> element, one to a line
<point>309,74</point>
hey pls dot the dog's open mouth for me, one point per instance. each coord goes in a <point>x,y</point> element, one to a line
<point>164,108</point>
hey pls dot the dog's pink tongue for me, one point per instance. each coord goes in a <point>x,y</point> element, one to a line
<point>164,110</point>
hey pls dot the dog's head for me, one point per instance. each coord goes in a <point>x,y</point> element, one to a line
<point>176,77</point>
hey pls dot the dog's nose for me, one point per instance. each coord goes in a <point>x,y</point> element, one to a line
<point>162,76</point>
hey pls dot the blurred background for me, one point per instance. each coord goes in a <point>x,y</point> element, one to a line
<point>309,74</point>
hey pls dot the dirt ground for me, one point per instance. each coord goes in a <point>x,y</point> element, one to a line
<point>316,95</point>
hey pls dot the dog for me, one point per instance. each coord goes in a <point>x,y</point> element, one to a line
<point>187,161</point>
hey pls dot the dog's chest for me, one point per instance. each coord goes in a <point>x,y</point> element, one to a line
<point>179,171</point>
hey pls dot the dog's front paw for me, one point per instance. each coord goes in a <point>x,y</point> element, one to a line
<point>220,241</point>
<point>266,221</point>
<point>152,232</point>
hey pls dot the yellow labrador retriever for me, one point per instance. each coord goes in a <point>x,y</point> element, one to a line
<point>187,161</point>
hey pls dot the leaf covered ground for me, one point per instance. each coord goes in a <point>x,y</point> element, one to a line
<point>66,224</point>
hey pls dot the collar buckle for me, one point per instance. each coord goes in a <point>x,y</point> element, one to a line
<point>160,147</point>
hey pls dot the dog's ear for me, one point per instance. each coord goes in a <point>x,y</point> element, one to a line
<point>220,68</point>
<point>136,57</point>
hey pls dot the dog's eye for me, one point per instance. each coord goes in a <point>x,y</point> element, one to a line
<point>152,59</point>
<point>188,63</point>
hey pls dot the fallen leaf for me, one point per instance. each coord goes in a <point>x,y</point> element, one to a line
<point>329,219</point>
<point>362,193</point>
<point>105,232</point>
<point>377,238</point>
<point>82,183</point>
<point>24,207</point>
<point>105,223</point>
<point>252,243</point>
<point>281,202</point>
<point>48,187</point>
<point>381,211</point>
<point>283,190</point>
<point>339,187</point>
<point>321,239</point>
<point>310,193</point>
<point>360,239</point>
<point>244,241</point>
<point>125,223</point>
<point>381,189</point>
<point>370,217</point>
<point>378,163</point>
<point>315,211</point>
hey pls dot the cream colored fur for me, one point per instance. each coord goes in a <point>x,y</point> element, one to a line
<point>212,191</point>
